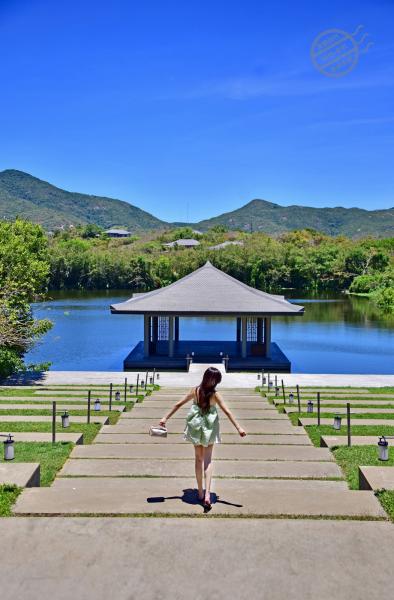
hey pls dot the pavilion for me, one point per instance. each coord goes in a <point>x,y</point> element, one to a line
<point>207,292</point>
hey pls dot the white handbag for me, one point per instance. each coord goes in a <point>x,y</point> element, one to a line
<point>158,431</point>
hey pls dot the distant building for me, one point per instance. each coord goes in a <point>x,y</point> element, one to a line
<point>225,244</point>
<point>117,233</point>
<point>183,243</point>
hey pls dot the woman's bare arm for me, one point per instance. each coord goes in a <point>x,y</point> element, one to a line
<point>229,414</point>
<point>178,405</point>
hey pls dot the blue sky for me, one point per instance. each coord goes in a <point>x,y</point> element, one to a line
<point>190,109</point>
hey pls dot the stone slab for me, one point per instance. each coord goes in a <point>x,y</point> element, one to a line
<point>48,419</point>
<point>159,496</point>
<point>178,426</point>
<point>244,404</point>
<point>83,555</point>
<point>354,411</point>
<point>376,478</point>
<point>22,474</point>
<point>59,406</point>
<point>157,413</point>
<point>330,441</point>
<point>354,421</point>
<point>185,451</point>
<point>140,438</point>
<point>341,402</point>
<point>185,468</point>
<point>350,396</point>
<point>38,436</point>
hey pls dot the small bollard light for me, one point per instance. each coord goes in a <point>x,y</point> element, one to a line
<point>97,405</point>
<point>9,452</point>
<point>131,388</point>
<point>309,407</point>
<point>383,447</point>
<point>276,391</point>
<point>270,385</point>
<point>157,375</point>
<point>291,397</point>
<point>117,396</point>
<point>258,375</point>
<point>337,422</point>
<point>65,419</point>
<point>142,383</point>
<point>151,380</point>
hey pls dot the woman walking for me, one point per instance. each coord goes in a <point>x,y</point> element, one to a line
<point>202,427</point>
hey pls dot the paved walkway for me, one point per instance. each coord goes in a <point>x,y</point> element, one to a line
<point>192,559</point>
<point>230,380</point>
<point>136,474</point>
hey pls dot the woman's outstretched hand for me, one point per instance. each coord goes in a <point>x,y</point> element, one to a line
<point>163,422</point>
<point>241,432</point>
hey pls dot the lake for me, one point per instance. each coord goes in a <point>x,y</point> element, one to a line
<point>337,334</point>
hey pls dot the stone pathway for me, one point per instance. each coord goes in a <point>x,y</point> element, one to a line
<point>274,471</point>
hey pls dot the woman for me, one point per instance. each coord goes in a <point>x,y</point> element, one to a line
<point>202,427</point>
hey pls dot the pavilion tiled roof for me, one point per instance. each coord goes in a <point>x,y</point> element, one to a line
<point>207,291</point>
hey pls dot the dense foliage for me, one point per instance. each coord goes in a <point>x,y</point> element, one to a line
<point>24,270</point>
<point>301,259</point>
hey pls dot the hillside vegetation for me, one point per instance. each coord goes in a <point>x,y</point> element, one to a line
<point>53,208</point>
<point>43,203</point>
<point>259,215</point>
<point>302,259</point>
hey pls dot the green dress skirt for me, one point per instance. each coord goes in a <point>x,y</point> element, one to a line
<point>202,429</point>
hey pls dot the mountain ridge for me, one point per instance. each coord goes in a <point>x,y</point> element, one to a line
<point>37,200</point>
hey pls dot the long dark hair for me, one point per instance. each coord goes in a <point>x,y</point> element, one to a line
<point>207,387</point>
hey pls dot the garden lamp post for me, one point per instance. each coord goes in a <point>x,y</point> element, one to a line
<point>97,405</point>
<point>309,407</point>
<point>9,452</point>
<point>117,396</point>
<point>65,420</point>
<point>337,422</point>
<point>291,398</point>
<point>383,448</point>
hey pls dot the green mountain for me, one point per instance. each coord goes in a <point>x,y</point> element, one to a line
<point>260,215</point>
<point>24,195</point>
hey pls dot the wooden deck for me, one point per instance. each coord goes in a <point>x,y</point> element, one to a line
<point>205,352</point>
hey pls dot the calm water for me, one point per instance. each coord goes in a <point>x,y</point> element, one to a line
<point>337,334</point>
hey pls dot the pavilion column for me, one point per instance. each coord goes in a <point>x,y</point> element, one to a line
<point>238,329</point>
<point>176,329</point>
<point>244,335</point>
<point>267,336</point>
<point>146,334</point>
<point>259,330</point>
<point>170,337</point>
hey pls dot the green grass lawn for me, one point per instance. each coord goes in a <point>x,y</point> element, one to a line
<point>8,496</point>
<point>50,456</point>
<point>89,431</point>
<point>315,432</point>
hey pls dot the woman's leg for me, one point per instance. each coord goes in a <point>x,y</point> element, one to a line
<point>198,464</point>
<point>208,471</point>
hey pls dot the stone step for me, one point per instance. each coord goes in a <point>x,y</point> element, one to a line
<point>376,478</point>
<point>330,441</point>
<point>38,436</point>
<point>103,467</point>
<point>184,451</point>
<point>227,439</point>
<point>157,414</point>
<point>65,399</point>
<point>304,390</point>
<point>48,419</point>
<point>354,411</point>
<point>245,405</point>
<point>22,474</point>
<point>341,402</point>
<point>325,396</point>
<point>178,426</point>
<point>173,496</point>
<point>59,406</point>
<point>226,397</point>
<point>354,421</point>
